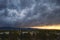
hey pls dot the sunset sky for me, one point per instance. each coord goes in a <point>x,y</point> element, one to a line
<point>29,13</point>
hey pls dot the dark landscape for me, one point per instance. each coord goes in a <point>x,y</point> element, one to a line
<point>11,33</point>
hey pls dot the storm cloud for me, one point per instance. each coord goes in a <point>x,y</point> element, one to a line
<point>22,13</point>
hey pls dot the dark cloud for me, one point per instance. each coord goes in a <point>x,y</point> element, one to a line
<point>3,4</point>
<point>24,13</point>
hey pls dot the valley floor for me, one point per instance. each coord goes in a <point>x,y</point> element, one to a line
<point>30,34</point>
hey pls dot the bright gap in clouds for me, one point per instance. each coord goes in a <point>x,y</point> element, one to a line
<point>48,27</point>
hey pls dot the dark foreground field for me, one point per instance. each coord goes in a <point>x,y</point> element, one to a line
<point>28,34</point>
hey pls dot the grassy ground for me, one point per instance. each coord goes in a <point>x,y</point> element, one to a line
<point>29,34</point>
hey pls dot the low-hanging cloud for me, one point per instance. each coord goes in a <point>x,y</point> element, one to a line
<point>22,13</point>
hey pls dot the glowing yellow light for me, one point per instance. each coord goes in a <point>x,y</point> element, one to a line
<point>51,27</point>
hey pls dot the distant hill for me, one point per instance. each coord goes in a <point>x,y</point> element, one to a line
<point>14,28</point>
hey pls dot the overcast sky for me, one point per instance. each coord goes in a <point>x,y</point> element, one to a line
<point>27,13</point>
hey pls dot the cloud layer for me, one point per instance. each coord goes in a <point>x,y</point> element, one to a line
<point>24,13</point>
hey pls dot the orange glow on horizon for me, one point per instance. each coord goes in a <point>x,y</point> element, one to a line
<point>49,27</point>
